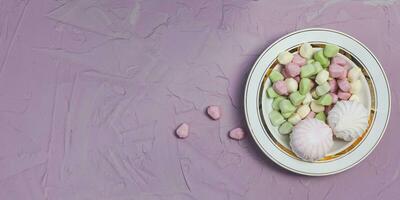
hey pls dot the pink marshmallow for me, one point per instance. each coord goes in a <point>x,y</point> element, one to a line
<point>334,97</point>
<point>297,59</point>
<point>237,134</point>
<point>344,85</point>
<point>280,88</point>
<point>283,72</point>
<point>182,131</point>
<point>344,74</point>
<point>336,70</point>
<point>333,85</point>
<point>339,61</point>
<point>214,112</point>
<point>347,67</point>
<point>311,115</point>
<point>297,78</point>
<point>343,95</point>
<point>292,69</point>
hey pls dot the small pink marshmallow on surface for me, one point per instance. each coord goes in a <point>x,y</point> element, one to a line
<point>182,131</point>
<point>297,78</point>
<point>214,112</point>
<point>311,115</point>
<point>339,60</point>
<point>335,70</point>
<point>333,85</point>
<point>344,85</point>
<point>292,70</point>
<point>237,134</point>
<point>343,95</point>
<point>280,88</point>
<point>297,59</point>
<point>334,97</point>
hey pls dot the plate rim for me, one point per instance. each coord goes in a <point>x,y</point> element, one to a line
<point>247,87</point>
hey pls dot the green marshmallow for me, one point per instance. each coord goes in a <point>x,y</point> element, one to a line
<point>325,65</point>
<point>331,50</point>
<point>321,116</point>
<point>310,61</point>
<point>319,57</point>
<point>287,114</point>
<point>307,70</point>
<point>276,118</point>
<point>323,89</point>
<point>275,76</point>
<point>317,67</point>
<point>285,128</point>
<point>325,100</point>
<point>276,101</point>
<point>271,93</point>
<point>296,98</point>
<point>294,119</point>
<point>286,106</point>
<point>304,86</point>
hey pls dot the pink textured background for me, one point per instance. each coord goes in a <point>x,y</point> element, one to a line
<point>92,90</point>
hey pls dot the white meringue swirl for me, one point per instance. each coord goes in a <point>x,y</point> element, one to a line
<point>311,139</point>
<point>348,119</point>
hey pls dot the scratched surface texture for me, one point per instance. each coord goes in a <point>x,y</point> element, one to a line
<point>92,90</point>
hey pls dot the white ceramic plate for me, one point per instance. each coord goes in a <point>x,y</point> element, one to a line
<point>343,155</point>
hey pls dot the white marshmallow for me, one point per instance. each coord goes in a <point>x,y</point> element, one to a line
<point>354,98</point>
<point>307,100</point>
<point>285,58</point>
<point>291,85</point>
<point>303,111</point>
<point>306,50</point>
<point>355,86</point>
<point>354,74</point>
<point>322,77</point>
<point>315,107</point>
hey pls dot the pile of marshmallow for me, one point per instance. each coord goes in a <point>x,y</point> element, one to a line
<point>315,96</point>
<point>307,84</point>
